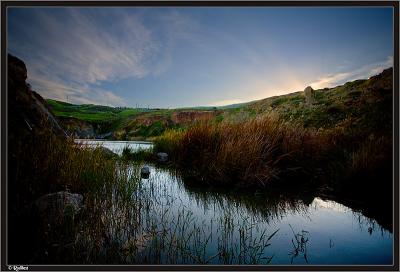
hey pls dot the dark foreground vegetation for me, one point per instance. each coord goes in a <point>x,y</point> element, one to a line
<point>259,146</point>
<point>43,161</point>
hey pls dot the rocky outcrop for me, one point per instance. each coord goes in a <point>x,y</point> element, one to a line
<point>104,135</point>
<point>309,93</point>
<point>81,129</point>
<point>77,128</point>
<point>382,81</point>
<point>28,112</point>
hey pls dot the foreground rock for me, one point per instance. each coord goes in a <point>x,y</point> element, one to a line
<point>28,111</point>
<point>60,204</point>
<point>162,157</point>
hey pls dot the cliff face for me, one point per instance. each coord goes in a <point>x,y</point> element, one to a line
<point>30,127</point>
<point>27,110</point>
<point>184,117</point>
<point>77,128</point>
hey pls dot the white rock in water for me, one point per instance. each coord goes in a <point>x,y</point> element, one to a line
<point>162,157</point>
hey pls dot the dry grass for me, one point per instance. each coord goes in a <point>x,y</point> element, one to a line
<point>46,163</point>
<point>260,151</point>
<point>42,163</point>
<point>251,153</point>
<point>373,155</point>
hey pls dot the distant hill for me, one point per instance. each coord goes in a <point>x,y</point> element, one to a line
<point>358,102</point>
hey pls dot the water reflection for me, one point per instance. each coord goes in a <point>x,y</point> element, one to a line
<point>230,225</point>
<point>299,245</point>
<point>172,221</point>
<point>116,146</point>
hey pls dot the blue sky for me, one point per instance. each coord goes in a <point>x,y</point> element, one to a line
<point>178,57</point>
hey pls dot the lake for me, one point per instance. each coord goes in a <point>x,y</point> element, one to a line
<point>177,223</point>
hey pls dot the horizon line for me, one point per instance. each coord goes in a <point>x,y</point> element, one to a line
<point>220,106</point>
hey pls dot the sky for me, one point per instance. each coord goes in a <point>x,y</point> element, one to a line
<point>183,57</point>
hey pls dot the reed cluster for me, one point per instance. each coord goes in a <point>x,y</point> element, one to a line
<point>250,153</point>
<point>267,150</point>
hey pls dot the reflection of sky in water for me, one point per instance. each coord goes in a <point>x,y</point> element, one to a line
<point>336,234</point>
<point>116,146</point>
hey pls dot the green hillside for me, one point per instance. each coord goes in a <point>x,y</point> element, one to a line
<point>91,113</point>
<point>361,103</point>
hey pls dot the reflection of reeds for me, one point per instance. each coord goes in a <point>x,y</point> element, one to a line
<point>128,220</point>
<point>266,206</point>
<point>299,245</point>
<point>141,226</point>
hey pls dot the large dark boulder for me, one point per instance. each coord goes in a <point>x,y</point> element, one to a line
<point>27,110</point>
<point>56,205</point>
<point>30,126</point>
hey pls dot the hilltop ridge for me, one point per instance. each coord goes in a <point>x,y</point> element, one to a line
<point>357,101</point>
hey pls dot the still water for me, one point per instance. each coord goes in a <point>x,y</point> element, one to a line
<point>214,227</point>
<point>116,146</point>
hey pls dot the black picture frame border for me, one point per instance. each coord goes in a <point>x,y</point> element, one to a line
<point>4,128</point>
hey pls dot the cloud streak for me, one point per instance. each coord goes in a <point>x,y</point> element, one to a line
<point>73,51</point>
<point>76,95</point>
<point>174,57</point>
<point>365,71</point>
<point>226,102</point>
<point>80,46</point>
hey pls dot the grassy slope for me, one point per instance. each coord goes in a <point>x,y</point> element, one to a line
<point>91,113</point>
<point>126,123</point>
<point>347,131</point>
<point>340,146</point>
<point>350,102</point>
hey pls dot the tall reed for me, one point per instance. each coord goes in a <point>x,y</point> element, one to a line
<point>248,153</point>
<point>266,150</point>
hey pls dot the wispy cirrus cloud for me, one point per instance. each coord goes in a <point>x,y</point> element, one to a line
<point>76,95</point>
<point>70,52</point>
<point>365,71</point>
<point>78,43</point>
<point>175,57</point>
